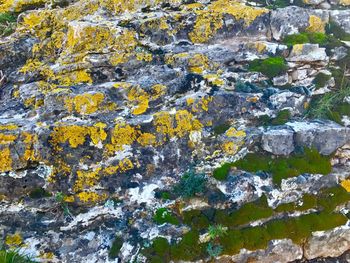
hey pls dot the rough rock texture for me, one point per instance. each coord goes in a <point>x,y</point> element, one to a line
<point>175,131</point>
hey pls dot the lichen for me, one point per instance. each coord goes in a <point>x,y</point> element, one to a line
<point>210,20</point>
<point>316,24</point>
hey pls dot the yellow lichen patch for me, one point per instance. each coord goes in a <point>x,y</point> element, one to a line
<point>85,103</point>
<point>30,140</point>
<point>5,160</point>
<point>210,20</point>
<point>346,184</point>
<point>75,77</point>
<point>179,125</point>
<point>141,98</point>
<point>173,59</point>
<point>86,179</point>
<point>69,198</point>
<point>202,104</point>
<point>47,255</point>
<point>124,45</point>
<point>7,138</point>
<point>214,79</point>
<point>198,63</point>
<point>122,134</point>
<point>230,147</point>
<point>86,37</point>
<point>190,101</point>
<point>19,5</point>
<point>158,90</point>
<point>232,132</point>
<point>146,139</point>
<point>260,47</point>
<point>91,197</point>
<point>14,240</point>
<point>298,48</point>
<point>8,127</point>
<point>316,24</point>
<point>124,165</point>
<point>76,135</point>
<point>33,19</point>
<point>143,56</point>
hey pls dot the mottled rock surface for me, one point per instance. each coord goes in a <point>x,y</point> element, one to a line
<point>175,131</point>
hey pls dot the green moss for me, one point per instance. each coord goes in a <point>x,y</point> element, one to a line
<point>282,117</point>
<point>14,256</point>
<point>337,31</point>
<point>196,219</point>
<point>159,251</point>
<point>222,172</point>
<point>115,248</point>
<point>39,193</point>
<point>310,161</point>
<point>7,23</point>
<point>189,248</point>
<point>332,197</point>
<point>306,37</point>
<point>163,215</point>
<point>321,80</point>
<point>271,67</point>
<point>221,128</point>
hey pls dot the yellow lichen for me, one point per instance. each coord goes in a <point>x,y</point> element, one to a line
<point>91,197</point>
<point>232,132</point>
<point>344,2</point>
<point>298,48</point>
<point>141,98</point>
<point>85,103</point>
<point>8,127</point>
<point>5,160</point>
<point>124,165</point>
<point>122,134</point>
<point>316,24</point>
<point>198,63</point>
<point>146,139</point>
<point>346,184</point>
<point>210,20</point>
<point>7,138</point>
<point>14,240</point>
<point>76,135</point>
<point>86,179</point>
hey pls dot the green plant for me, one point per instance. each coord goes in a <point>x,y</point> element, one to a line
<point>115,248</point>
<point>221,128</point>
<point>191,184</point>
<point>7,24</point>
<point>39,193</point>
<point>271,67</point>
<point>282,117</point>
<point>60,199</point>
<point>214,250</point>
<point>216,231</point>
<point>14,256</point>
<point>321,80</point>
<point>163,215</point>
<point>222,172</point>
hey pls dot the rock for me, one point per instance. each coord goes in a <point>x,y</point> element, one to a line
<point>328,244</point>
<point>279,141</point>
<point>308,53</point>
<point>341,18</point>
<point>293,20</point>
<point>325,136</point>
<point>281,80</point>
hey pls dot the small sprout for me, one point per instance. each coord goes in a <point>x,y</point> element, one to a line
<point>214,250</point>
<point>60,199</point>
<point>216,231</point>
<point>191,184</point>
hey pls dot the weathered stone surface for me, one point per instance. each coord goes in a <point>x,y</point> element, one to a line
<point>278,141</point>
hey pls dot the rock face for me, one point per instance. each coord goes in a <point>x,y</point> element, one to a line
<point>174,131</point>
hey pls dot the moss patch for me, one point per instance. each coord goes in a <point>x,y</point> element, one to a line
<point>163,215</point>
<point>115,248</point>
<point>310,161</point>
<point>271,67</point>
<point>222,172</point>
<point>39,193</point>
<point>321,80</point>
